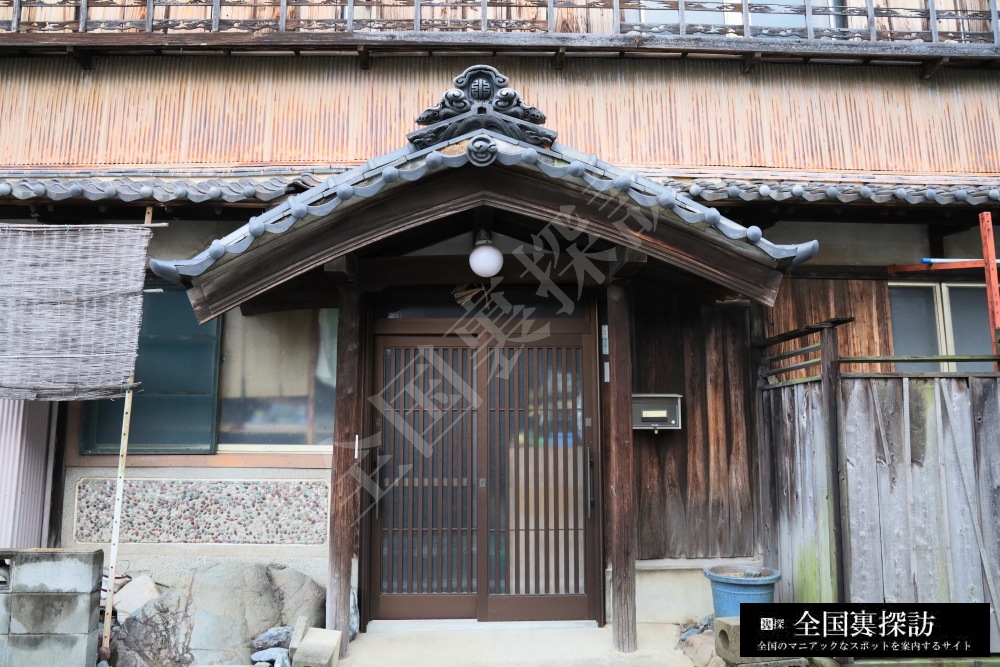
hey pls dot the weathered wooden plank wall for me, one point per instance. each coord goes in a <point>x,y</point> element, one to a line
<point>807,301</point>
<point>922,471</point>
<point>923,479</point>
<point>680,115</point>
<point>695,486</point>
<point>797,507</point>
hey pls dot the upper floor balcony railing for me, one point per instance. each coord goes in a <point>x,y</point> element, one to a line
<point>890,27</point>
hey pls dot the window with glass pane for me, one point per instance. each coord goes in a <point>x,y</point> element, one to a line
<point>278,378</point>
<point>914,325</point>
<point>174,410</point>
<point>970,325</point>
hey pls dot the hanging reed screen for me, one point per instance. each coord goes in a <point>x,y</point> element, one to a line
<point>70,309</point>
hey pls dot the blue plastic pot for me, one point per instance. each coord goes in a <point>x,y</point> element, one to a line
<point>733,585</point>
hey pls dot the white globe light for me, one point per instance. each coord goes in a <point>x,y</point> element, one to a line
<point>485,260</point>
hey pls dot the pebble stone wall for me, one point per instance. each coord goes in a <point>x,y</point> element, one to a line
<point>177,511</point>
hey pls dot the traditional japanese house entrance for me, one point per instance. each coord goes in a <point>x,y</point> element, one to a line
<point>490,509</point>
<point>502,491</point>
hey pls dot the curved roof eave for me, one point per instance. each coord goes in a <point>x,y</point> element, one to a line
<point>559,163</point>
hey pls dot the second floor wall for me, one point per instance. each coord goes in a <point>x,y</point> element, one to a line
<point>656,116</point>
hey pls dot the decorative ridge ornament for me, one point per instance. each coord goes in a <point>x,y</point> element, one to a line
<point>481,100</point>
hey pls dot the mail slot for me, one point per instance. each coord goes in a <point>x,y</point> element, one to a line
<point>653,412</point>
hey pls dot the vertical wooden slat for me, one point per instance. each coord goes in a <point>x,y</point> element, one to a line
<point>345,496</point>
<point>454,480</point>
<point>408,502</point>
<point>283,15</point>
<point>872,29</point>
<point>150,14</point>
<point>533,374</point>
<point>893,479</point>
<point>986,408</point>
<point>520,428</point>
<point>216,11</point>
<point>15,17</point>
<point>416,15</point>
<point>718,454</point>
<point>681,19</point>
<point>550,13</point>
<point>957,453</point>
<point>83,16</point>
<point>742,517</point>
<point>568,491</point>
<point>699,527</point>
<point>745,13</point>
<point>862,545</point>
<point>930,543</point>
<point>617,410</point>
<point>957,448</point>
<point>546,451</point>
<point>810,22</point>
<point>836,466</point>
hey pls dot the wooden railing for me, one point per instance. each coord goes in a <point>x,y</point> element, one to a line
<point>960,22</point>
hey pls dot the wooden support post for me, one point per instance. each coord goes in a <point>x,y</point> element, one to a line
<point>116,521</point>
<point>344,505</point>
<point>829,351</point>
<point>616,401</point>
<point>992,287</point>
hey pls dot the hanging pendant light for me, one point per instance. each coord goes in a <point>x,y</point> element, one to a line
<point>485,260</point>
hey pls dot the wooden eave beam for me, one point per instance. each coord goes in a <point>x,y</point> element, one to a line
<point>343,269</point>
<point>241,277</point>
<point>83,58</point>
<point>750,61</point>
<point>932,67</point>
<point>552,43</point>
<point>628,263</point>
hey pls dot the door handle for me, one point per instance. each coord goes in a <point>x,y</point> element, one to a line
<point>590,483</point>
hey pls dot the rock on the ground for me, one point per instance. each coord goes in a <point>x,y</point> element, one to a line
<point>211,614</point>
<point>700,648</point>
<point>300,596</point>
<point>355,624</point>
<point>278,637</point>
<point>276,656</point>
<point>133,595</point>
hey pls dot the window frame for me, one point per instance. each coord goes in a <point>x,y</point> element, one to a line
<point>943,320</point>
<point>89,446</point>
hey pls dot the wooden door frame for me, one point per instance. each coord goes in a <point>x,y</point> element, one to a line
<point>588,327</point>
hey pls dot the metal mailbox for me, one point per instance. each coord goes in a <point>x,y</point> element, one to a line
<point>653,412</point>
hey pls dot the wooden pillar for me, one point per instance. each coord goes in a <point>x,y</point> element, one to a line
<point>344,505</point>
<point>616,403</point>
<point>829,352</point>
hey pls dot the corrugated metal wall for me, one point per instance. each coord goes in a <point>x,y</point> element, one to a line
<point>644,113</point>
<point>24,441</point>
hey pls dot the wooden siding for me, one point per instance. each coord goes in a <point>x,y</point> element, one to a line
<point>921,473</point>
<point>696,496</point>
<point>923,490</point>
<point>808,301</point>
<point>655,115</point>
<point>797,510</point>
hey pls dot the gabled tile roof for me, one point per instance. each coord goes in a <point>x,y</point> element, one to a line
<point>480,122</point>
